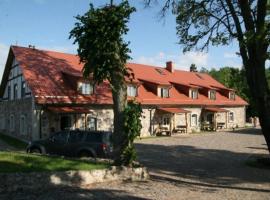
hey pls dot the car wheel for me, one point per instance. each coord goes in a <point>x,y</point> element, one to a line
<point>35,150</point>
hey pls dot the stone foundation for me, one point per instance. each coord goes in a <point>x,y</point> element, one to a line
<point>35,180</point>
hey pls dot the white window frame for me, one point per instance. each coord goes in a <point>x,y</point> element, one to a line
<point>22,125</point>
<point>11,122</point>
<point>132,90</point>
<point>85,88</point>
<point>232,95</point>
<point>229,116</point>
<point>162,94</point>
<point>212,92</point>
<point>194,94</point>
<point>193,122</point>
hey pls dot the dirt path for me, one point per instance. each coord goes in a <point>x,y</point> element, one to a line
<point>201,166</point>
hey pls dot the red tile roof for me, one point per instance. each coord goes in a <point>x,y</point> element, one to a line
<point>174,110</point>
<point>215,109</point>
<point>44,72</point>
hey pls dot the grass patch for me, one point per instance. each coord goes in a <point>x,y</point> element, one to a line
<point>16,143</point>
<point>21,162</point>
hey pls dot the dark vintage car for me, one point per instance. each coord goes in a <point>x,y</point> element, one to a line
<point>75,143</point>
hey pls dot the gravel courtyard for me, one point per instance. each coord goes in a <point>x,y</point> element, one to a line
<point>198,166</point>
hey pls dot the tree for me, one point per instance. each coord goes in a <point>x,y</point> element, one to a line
<point>201,23</point>
<point>99,34</point>
<point>193,68</point>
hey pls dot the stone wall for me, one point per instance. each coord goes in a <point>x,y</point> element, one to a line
<point>21,181</point>
<point>151,114</point>
<point>11,114</point>
<point>239,117</point>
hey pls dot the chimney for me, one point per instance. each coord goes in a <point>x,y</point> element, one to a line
<point>169,66</point>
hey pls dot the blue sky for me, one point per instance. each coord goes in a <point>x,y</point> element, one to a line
<point>47,23</point>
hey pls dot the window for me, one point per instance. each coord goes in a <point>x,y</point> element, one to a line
<point>22,125</point>
<point>75,136</point>
<point>166,121</point>
<point>131,90</point>
<point>194,94</point>
<point>91,123</point>
<point>23,89</point>
<point>232,95</point>
<point>212,94</point>
<point>85,88</point>
<point>15,92</point>
<point>2,122</point>
<point>231,117</point>
<point>11,123</point>
<point>9,91</point>
<point>164,92</point>
<point>194,120</point>
<point>82,123</point>
<point>60,138</point>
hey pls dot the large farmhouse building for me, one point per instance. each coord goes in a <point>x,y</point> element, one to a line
<point>44,91</point>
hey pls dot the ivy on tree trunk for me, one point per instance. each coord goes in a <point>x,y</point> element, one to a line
<point>104,53</point>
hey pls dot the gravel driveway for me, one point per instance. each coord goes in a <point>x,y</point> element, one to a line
<point>199,166</point>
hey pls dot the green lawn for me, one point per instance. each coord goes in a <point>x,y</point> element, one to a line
<point>22,162</point>
<point>18,144</point>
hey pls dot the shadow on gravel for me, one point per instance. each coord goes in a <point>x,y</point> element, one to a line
<point>250,131</point>
<point>69,193</point>
<point>211,167</point>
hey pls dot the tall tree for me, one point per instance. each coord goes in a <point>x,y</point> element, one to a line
<point>99,34</point>
<point>201,23</point>
<point>193,68</point>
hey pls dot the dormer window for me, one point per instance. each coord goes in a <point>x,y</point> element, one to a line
<point>212,94</point>
<point>194,94</point>
<point>232,95</point>
<point>132,90</point>
<point>164,92</point>
<point>85,88</point>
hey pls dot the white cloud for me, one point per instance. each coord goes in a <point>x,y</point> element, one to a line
<point>64,49</point>
<point>3,57</point>
<point>181,61</point>
<point>230,55</point>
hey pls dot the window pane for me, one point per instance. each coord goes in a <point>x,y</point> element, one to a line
<point>131,91</point>
<point>194,120</point>
<point>164,92</point>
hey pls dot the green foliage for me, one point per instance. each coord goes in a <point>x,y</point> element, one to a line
<point>236,79</point>
<point>99,34</point>
<point>193,68</point>
<point>133,126</point>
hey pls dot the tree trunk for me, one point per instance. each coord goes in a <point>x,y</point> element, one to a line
<point>120,140</point>
<point>255,72</point>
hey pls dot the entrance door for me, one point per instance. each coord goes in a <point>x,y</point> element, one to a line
<point>65,123</point>
<point>210,118</point>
